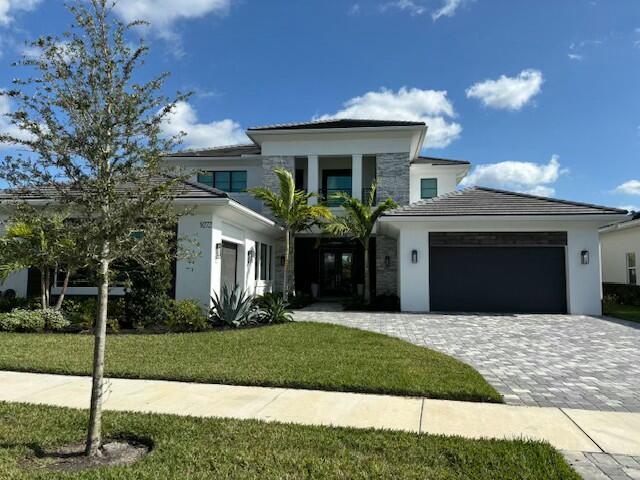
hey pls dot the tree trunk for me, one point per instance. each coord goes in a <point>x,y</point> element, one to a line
<point>285,280</point>
<point>94,434</point>
<point>367,279</point>
<point>65,285</point>
<point>292,266</point>
<point>43,290</point>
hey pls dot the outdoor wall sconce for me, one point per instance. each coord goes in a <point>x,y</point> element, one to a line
<point>584,257</point>
<point>387,261</point>
<point>218,251</point>
<point>251,254</point>
<point>282,261</point>
<point>414,256</point>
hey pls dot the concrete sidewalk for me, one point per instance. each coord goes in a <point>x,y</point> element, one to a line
<point>573,430</point>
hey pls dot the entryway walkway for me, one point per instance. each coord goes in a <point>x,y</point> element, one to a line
<point>568,361</point>
<point>582,435</point>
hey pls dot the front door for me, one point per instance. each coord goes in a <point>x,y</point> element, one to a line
<point>336,273</point>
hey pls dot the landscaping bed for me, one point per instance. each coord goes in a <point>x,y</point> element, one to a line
<point>195,448</point>
<point>624,312</point>
<point>297,355</point>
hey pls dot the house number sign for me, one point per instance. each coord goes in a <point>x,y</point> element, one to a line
<point>208,225</point>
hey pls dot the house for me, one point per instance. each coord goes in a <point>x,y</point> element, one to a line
<point>620,247</point>
<point>443,249</point>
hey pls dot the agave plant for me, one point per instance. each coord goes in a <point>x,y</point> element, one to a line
<point>236,308</point>
<point>273,309</point>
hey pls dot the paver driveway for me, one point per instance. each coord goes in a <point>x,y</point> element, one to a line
<point>545,360</point>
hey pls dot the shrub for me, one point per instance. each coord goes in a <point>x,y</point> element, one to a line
<point>626,294</point>
<point>147,297</point>
<point>20,320</point>
<point>236,308</point>
<point>300,300</point>
<point>185,316</point>
<point>8,303</point>
<point>273,309</point>
<point>54,319</point>
<point>82,312</point>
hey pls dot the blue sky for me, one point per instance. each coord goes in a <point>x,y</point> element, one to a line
<point>541,96</point>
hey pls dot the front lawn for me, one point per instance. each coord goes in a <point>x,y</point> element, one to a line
<point>214,448</point>
<point>298,355</point>
<point>625,312</point>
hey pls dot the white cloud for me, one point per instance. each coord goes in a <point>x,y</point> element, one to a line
<point>510,93</point>
<point>354,9</point>
<point>575,56</point>
<point>163,13</point>
<point>632,187</point>
<point>410,6</point>
<point>448,9</point>
<point>526,177</point>
<point>202,135</point>
<point>429,106</point>
<point>9,7</point>
<point>6,127</point>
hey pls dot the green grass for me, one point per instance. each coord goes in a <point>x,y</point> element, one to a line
<point>297,355</point>
<point>625,312</point>
<point>217,449</point>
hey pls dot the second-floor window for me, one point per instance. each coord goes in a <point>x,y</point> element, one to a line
<point>428,188</point>
<point>632,278</point>
<point>225,180</point>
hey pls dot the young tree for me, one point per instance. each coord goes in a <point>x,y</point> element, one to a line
<point>358,222</point>
<point>43,239</point>
<point>291,208</point>
<point>92,140</point>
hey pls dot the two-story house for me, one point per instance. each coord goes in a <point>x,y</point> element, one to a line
<point>443,249</point>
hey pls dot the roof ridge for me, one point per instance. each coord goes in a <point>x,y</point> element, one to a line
<point>548,199</point>
<point>329,120</point>
<point>204,149</point>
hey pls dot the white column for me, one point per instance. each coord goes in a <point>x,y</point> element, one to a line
<point>356,176</point>
<point>312,177</point>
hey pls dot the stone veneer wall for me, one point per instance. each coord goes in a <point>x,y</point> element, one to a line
<point>386,277</point>
<point>392,173</point>
<point>270,181</point>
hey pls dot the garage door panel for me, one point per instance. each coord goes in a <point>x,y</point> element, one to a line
<point>498,279</point>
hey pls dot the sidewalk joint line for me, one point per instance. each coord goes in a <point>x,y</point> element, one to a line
<point>283,390</point>
<point>421,413</point>
<point>581,429</point>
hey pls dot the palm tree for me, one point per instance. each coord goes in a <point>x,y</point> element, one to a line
<point>358,224</point>
<point>291,208</point>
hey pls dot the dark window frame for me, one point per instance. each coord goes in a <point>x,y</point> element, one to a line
<point>215,183</point>
<point>433,188</point>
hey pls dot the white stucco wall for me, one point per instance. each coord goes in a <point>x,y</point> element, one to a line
<point>199,278</point>
<point>16,281</point>
<point>615,246</point>
<point>583,281</point>
<point>446,176</point>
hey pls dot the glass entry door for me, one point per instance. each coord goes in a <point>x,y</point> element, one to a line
<point>336,273</point>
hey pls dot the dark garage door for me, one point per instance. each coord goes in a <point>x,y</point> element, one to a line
<point>497,278</point>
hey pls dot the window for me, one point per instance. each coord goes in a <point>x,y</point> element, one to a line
<point>264,261</point>
<point>257,267</point>
<point>270,276</point>
<point>428,188</point>
<point>632,278</point>
<point>227,181</point>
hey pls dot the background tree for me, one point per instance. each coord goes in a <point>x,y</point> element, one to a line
<point>358,222</point>
<point>291,208</point>
<point>43,239</point>
<point>91,139</point>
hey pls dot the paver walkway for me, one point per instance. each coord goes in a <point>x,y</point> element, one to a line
<point>610,438</point>
<point>540,360</point>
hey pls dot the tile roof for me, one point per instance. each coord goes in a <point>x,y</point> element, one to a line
<point>477,201</point>
<point>439,161</point>
<point>337,123</point>
<point>184,190</point>
<point>226,151</point>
